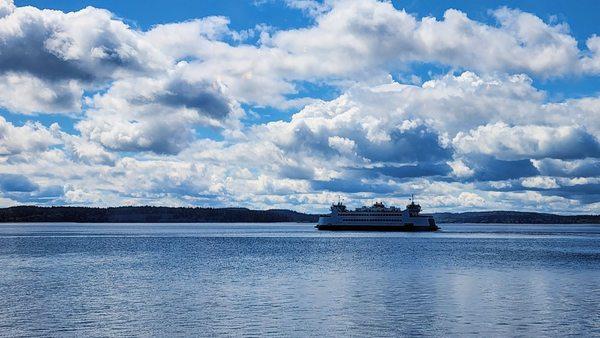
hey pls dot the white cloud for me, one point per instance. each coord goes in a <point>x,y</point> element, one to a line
<point>157,114</point>
<point>528,141</point>
<point>500,184</point>
<point>358,40</point>
<point>350,40</point>
<point>470,199</point>
<point>31,137</point>
<point>6,7</point>
<point>87,152</point>
<point>182,39</point>
<point>26,94</point>
<point>365,142</point>
<point>313,8</point>
<point>453,139</point>
<point>576,168</point>
<point>460,169</point>
<point>48,56</point>
<point>86,45</point>
<point>578,181</point>
<point>541,182</point>
<point>591,62</point>
<point>355,35</point>
<point>81,196</point>
<point>342,144</point>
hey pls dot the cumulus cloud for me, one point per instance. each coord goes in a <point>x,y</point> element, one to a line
<point>591,62</point>
<point>82,150</point>
<point>460,169</point>
<point>152,134</point>
<point>354,35</point>
<point>31,137</point>
<point>452,102</point>
<point>588,167</point>
<point>6,7</point>
<point>371,141</point>
<point>342,144</point>
<point>481,136</point>
<point>541,182</point>
<point>49,56</point>
<point>383,138</point>
<point>27,94</point>
<point>360,39</point>
<point>159,115</point>
<point>86,45</point>
<point>528,141</point>
<point>349,40</point>
<point>313,8</point>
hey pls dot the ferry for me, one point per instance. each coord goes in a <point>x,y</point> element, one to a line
<point>377,218</point>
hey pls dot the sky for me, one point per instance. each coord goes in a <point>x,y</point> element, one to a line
<point>469,105</point>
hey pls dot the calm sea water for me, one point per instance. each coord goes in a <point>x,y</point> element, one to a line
<point>289,279</point>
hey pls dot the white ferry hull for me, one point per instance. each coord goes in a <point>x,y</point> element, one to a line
<point>404,228</point>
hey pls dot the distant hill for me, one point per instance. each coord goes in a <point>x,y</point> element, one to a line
<point>514,217</point>
<point>149,214</point>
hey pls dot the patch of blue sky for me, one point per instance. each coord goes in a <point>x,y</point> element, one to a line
<point>145,14</point>
<point>316,89</point>
<point>305,89</point>
<point>206,132</point>
<point>571,87</point>
<point>66,123</point>
<point>261,114</point>
<point>418,72</point>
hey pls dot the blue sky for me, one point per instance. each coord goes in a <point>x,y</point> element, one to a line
<point>472,105</point>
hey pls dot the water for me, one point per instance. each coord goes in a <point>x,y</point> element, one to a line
<point>291,280</point>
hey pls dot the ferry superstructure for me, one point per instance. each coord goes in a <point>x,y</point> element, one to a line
<point>377,218</point>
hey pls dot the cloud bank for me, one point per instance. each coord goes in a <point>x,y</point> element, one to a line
<point>168,115</point>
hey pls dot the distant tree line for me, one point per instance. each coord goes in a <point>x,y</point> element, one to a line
<point>148,214</point>
<point>515,217</point>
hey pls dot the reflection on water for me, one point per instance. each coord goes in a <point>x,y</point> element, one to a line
<point>249,279</point>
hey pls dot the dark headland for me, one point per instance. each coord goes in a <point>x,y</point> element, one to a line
<point>147,214</point>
